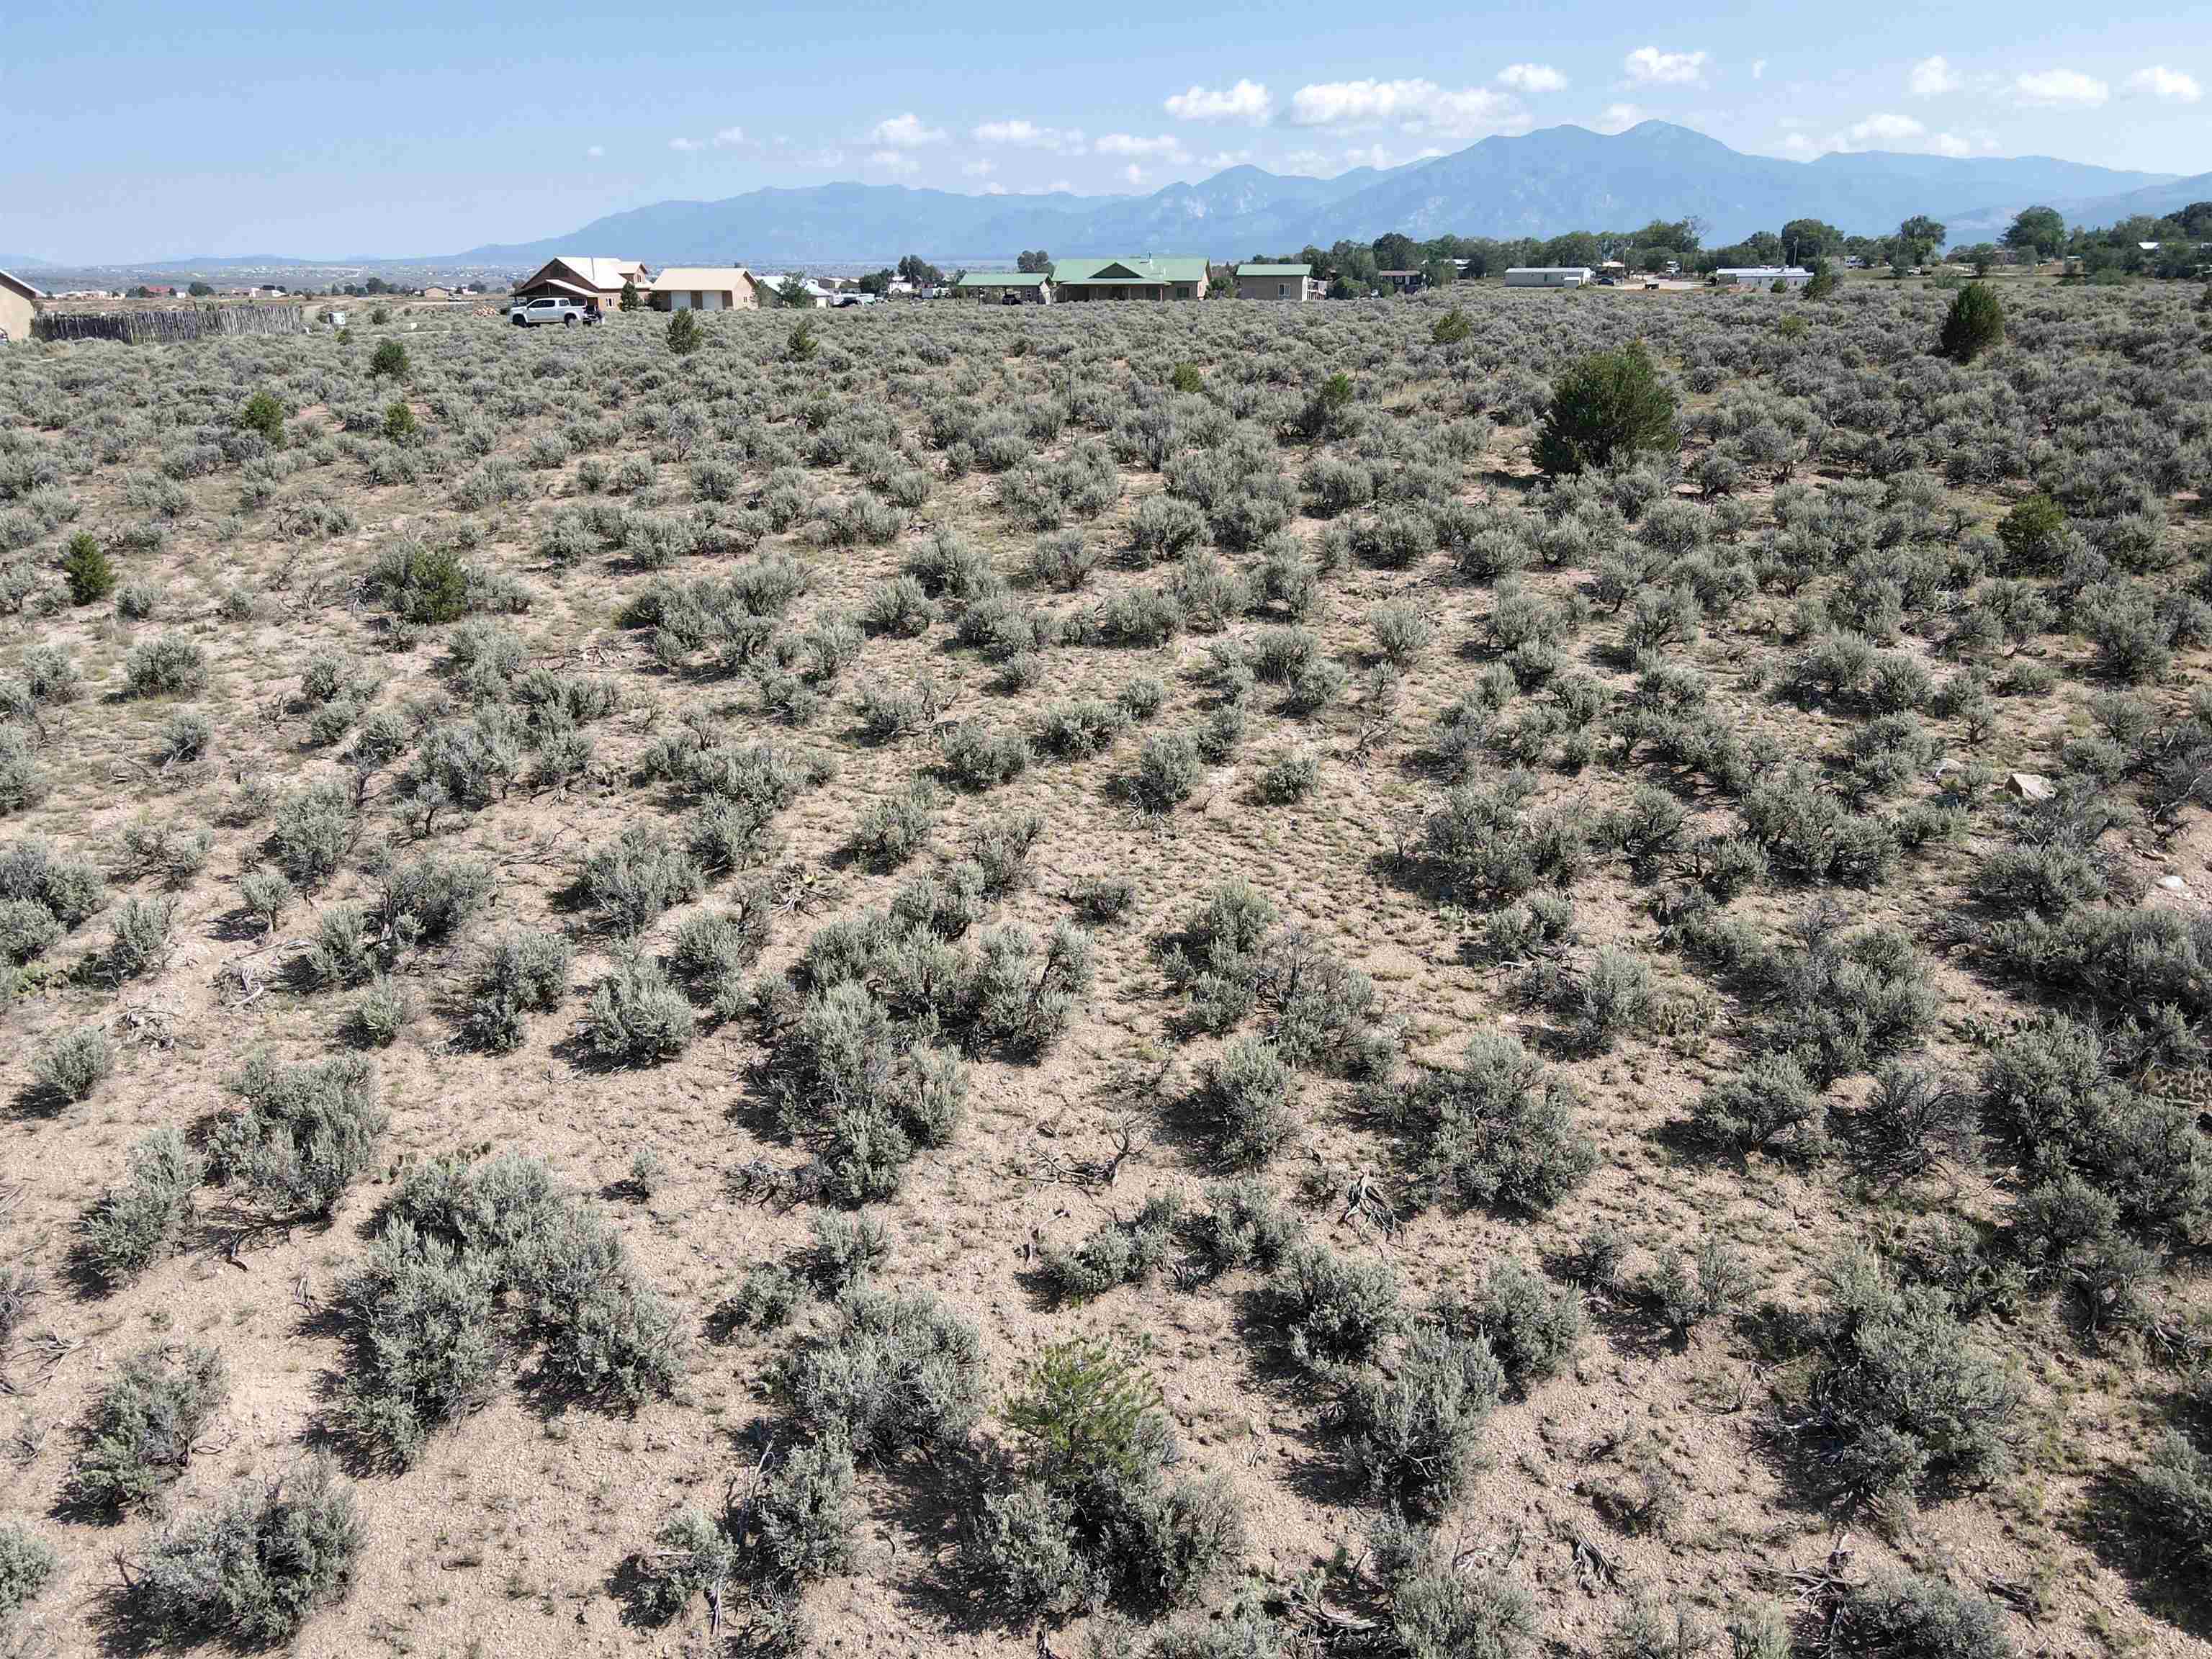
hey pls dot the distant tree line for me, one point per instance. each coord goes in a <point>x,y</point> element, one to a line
<point>1353,269</point>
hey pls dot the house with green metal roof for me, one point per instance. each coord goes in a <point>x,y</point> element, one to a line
<point>1129,279</point>
<point>1258,282</point>
<point>1027,287</point>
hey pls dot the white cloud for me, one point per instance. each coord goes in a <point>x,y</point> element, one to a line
<point>1306,161</point>
<point>1532,77</point>
<point>1027,135</point>
<point>1226,158</point>
<point>893,160</point>
<point>1798,145</point>
<point>596,151</point>
<point>979,168</point>
<point>1378,156</point>
<point>1894,132</point>
<point>1057,187</point>
<point>729,135</point>
<point>907,131</point>
<point>1134,174</point>
<point>685,145</point>
<point>1619,118</point>
<point>994,190</point>
<point>1128,143</point>
<point>1932,78</point>
<point>1759,69</point>
<point>2171,84</point>
<point>2062,90</point>
<point>1668,69</point>
<point>1886,132</point>
<point>1412,106</point>
<point>1247,101</point>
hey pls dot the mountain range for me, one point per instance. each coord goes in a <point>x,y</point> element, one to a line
<point>1538,184</point>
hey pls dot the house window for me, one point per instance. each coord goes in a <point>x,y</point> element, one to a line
<point>1282,291</point>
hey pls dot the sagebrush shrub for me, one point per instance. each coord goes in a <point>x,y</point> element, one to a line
<point>893,1372</point>
<point>26,1563</point>
<point>164,667</point>
<point>145,1426</point>
<point>1498,1128</point>
<point>128,1226</point>
<point>302,1132</point>
<point>254,1567</point>
<point>637,1016</point>
<point>1333,1309</point>
<point>73,1064</point>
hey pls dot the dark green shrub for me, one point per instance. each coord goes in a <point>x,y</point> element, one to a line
<point>2033,535</point>
<point>1608,405</point>
<point>1094,1515</point>
<point>684,333</point>
<point>252,1569</point>
<point>302,1134</point>
<point>145,1426</point>
<point>91,573</point>
<point>388,360</point>
<point>1974,323</point>
<point>264,414</point>
<point>1497,1130</point>
<point>1912,1124</point>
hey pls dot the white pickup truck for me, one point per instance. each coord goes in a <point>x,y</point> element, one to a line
<point>551,308</point>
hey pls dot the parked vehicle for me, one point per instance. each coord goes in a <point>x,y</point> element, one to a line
<point>549,308</point>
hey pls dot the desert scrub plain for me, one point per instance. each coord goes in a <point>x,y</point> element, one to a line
<point>1205,981</point>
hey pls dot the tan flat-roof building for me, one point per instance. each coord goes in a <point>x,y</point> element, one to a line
<point>18,305</point>
<point>704,287</point>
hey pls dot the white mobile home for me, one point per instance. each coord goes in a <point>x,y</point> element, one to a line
<point>1762,275</point>
<point>1547,276</point>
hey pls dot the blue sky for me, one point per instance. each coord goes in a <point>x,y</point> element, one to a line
<point>145,131</point>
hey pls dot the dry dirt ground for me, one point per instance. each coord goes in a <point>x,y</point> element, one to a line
<point>510,1536</point>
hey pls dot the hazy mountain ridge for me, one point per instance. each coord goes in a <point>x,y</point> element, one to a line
<point>1539,183</point>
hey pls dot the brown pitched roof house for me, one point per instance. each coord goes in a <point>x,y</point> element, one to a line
<point>587,278</point>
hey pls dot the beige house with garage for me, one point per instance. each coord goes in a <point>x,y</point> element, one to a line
<point>704,287</point>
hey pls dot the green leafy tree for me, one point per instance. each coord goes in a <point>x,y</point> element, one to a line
<point>1607,405</point>
<point>1982,256</point>
<point>2039,231</point>
<point>400,426</point>
<point>1921,236</point>
<point>1826,280</point>
<point>200,290</point>
<point>1395,251</point>
<point>1035,261</point>
<point>1974,325</point>
<point>628,301</point>
<point>877,283</point>
<point>919,271</point>
<point>684,332</point>
<point>1804,241</point>
<point>793,292</point>
<point>1451,328</point>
